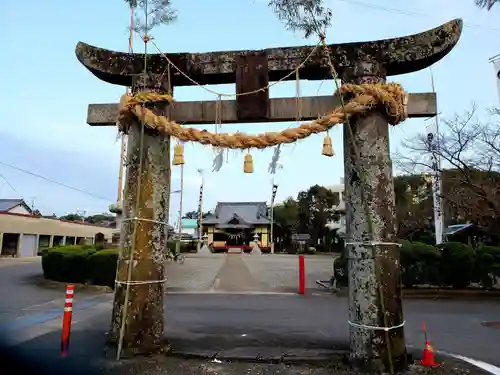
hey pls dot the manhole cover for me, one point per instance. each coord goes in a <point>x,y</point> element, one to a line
<point>491,324</point>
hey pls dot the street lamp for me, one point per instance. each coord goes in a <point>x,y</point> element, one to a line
<point>178,243</point>
<point>274,190</point>
<point>200,212</point>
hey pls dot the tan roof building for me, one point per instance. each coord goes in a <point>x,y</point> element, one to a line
<point>22,234</point>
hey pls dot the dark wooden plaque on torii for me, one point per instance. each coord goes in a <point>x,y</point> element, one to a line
<point>366,158</point>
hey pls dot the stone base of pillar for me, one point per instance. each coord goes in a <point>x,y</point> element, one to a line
<point>205,250</point>
<point>256,250</point>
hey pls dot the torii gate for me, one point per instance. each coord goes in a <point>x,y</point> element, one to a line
<point>146,198</point>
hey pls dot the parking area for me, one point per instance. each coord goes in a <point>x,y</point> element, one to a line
<point>197,274</point>
<point>268,272</point>
<point>281,271</point>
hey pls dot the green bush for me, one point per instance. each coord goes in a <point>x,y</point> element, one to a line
<point>487,265</point>
<point>419,264</point>
<point>85,264</point>
<point>457,264</point>
<point>67,263</point>
<point>449,264</point>
<point>101,267</point>
<point>172,246</point>
<point>42,251</point>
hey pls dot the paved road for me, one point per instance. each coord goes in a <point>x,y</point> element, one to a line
<point>263,273</point>
<point>222,322</point>
<point>225,321</point>
<point>322,321</point>
<point>18,289</point>
<point>24,302</point>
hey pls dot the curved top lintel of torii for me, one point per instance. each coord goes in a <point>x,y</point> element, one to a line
<point>397,55</point>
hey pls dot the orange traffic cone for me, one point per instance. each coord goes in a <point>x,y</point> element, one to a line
<point>428,356</point>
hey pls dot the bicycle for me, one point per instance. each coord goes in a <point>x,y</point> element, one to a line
<point>178,258</point>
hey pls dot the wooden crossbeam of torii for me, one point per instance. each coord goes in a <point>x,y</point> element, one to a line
<point>374,272</point>
<point>280,110</point>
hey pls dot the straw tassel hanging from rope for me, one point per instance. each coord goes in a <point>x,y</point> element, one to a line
<point>178,154</point>
<point>248,163</point>
<point>327,147</point>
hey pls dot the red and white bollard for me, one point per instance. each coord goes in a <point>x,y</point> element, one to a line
<point>302,275</point>
<point>68,312</point>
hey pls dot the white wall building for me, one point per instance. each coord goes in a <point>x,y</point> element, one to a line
<point>339,224</point>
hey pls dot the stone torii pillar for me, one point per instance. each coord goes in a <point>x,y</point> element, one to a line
<point>138,307</point>
<point>252,70</point>
<point>375,306</point>
<point>144,232</point>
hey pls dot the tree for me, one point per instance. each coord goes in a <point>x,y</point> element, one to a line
<point>100,219</point>
<point>309,16</point>
<point>194,214</point>
<point>71,217</point>
<point>285,216</point>
<point>488,4</point>
<point>414,208</point>
<point>470,154</point>
<point>309,213</point>
<point>316,207</point>
<point>159,12</point>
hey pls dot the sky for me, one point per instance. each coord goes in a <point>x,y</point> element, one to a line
<point>43,130</point>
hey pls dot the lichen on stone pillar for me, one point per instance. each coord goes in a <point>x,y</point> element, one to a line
<point>369,193</point>
<point>144,232</point>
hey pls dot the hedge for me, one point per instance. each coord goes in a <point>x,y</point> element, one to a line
<point>450,264</point>
<point>85,264</point>
<point>67,263</point>
<point>101,267</point>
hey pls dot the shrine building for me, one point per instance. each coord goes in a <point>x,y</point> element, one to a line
<point>235,225</point>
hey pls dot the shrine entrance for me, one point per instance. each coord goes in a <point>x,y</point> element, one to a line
<point>365,104</point>
<point>236,237</point>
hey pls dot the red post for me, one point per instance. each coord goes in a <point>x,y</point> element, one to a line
<point>302,275</point>
<point>68,312</point>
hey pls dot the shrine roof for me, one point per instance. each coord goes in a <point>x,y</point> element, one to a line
<point>246,212</point>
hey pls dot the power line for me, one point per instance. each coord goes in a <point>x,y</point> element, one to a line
<point>494,58</point>
<point>56,182</point>
<point>409,13</point>
<point>53,181</point>
<point>8,183</point>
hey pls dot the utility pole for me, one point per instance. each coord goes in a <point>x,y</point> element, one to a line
<point>200,212</point>
<point>437,183</point>
<point>123,140</point>
<point>274,190</point>
<point>178,243</point>
<point>496,65</point>
<point>118,210</point>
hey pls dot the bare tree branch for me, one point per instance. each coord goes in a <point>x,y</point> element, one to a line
<point>470,154</point>
<point>488,4</point>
